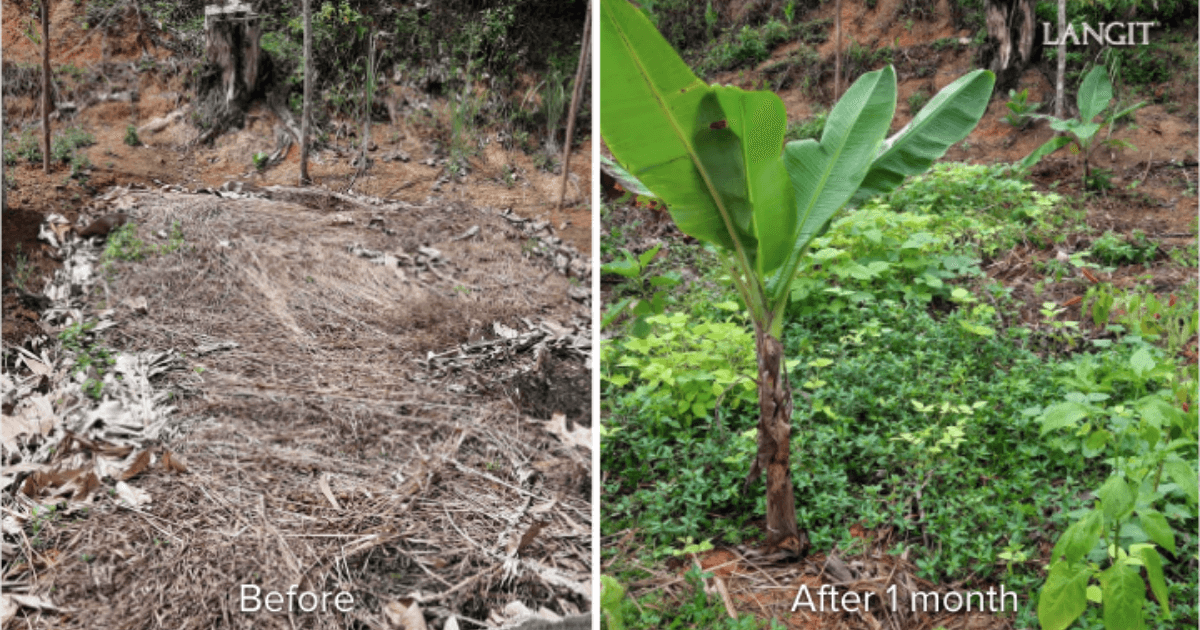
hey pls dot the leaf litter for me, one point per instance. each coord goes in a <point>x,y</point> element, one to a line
<point>283,409</point>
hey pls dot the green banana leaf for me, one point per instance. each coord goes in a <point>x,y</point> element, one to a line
<point>947,118</point>
<point>1094,94</point>
<point>1051,145</point>
<point>712,154</point>
<point>825,175</point>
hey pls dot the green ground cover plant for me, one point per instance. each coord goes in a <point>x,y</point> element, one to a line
<point>639,282</point>
<point>900,401</point>
<point>1121,409</point>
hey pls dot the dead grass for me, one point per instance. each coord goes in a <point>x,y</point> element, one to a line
<point>320,453</point>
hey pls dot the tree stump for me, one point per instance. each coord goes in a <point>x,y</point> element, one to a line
<point>1012,33</point>
<point>232,32</point>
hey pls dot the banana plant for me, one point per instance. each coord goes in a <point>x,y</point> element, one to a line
<point>715,155</point>
<point>1095,93</point>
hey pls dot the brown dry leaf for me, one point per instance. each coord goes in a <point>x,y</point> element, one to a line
<point>35,366</point>
<point>12,427</point>
<point>34,483</point>
<point>544,507</point>
<point>132,496</point>
<point>323,483</point>
<point>46,420</point>
<point>725,598</point>
<point>32,601</point>
<point>405,614</point>
<point>86,485</point>
<point>138,305</point>
<point>580,436</point>
<point>140,465</point>
<point>527,539</point>
<point>174,463</point>
<point>8,610</point>
<point>60,230</point>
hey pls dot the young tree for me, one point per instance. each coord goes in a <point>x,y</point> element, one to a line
<point>307,113</point>
<point>1059,97</point>
<point>837,50</point>
<point>715,156</point>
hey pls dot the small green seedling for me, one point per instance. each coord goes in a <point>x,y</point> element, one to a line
<point>1020,110</point>
<point>1095,94</point>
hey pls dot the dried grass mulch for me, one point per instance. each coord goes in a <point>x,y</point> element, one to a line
<point>314,456</point>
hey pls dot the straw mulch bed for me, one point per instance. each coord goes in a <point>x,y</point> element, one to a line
<point>319,452</point>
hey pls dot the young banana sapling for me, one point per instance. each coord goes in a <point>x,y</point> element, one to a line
<point>715,156</point>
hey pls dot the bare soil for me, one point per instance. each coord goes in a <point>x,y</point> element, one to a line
<point>369,423</point>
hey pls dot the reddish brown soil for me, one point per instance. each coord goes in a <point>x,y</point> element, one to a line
<point>167,158</point>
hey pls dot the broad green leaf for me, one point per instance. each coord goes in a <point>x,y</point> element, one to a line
<point>1094,94</point>
<point>824,175</point>
<point>1156,527</point>
<point>1051,145</point>
<point>1116,496</point>
<point>1096,442</point>
<point>649,115</point>
<point>611,594</point>
<point>628,268</point>
<point>1064,596</point>
<point>710,153</point>
<point>1066,414</point>
<point>1125,112</point>
<point>1184,475</point>
<point>1124,595</point>
<point>1154,571</point>
<point>1079,538</point>
<point>614,311</point>
<point>1141,362</point>
<point>645,257</point>
<point>947,118</point>
<point>669,279</point>
<point>1157,412</point>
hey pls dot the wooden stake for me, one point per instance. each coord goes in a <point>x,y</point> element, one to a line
<point>307,113</point>
<point>583,64</point>
<point>45,85</point>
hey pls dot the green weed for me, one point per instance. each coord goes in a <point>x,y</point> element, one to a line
<point>131,136</point>
<point>1115,250</point>
<point>91,357</point>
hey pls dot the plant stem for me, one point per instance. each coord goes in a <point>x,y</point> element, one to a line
<point>774,444</point>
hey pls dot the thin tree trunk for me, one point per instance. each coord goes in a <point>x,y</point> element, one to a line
<point>837,50</point>
<point>368,96</point>
<point>1062,59</point>
<point>774,446</point>
<point>46,85</point>
<point>3,166</point>
<point>307,113</point>
<point>583,64</point>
